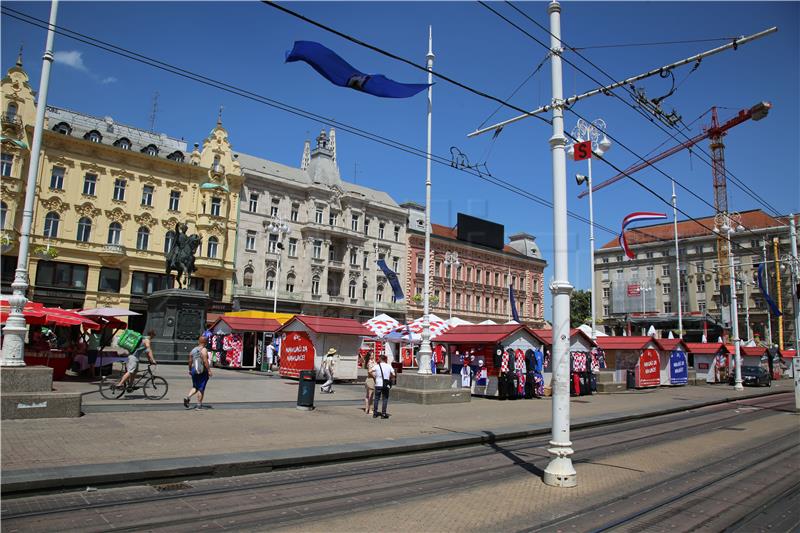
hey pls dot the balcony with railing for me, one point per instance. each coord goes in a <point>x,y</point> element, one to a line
<point>11,121</point>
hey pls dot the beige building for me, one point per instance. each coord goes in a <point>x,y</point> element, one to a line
<point>334,231</point>
<point>644,291</point>
<point>108,198</point>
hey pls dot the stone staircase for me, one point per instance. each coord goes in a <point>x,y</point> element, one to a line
<point>27,392</point>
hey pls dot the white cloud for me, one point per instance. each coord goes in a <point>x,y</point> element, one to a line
<point>72,59</point>
<point>110,79</point>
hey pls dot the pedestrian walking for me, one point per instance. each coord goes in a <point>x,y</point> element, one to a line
<point>270,356</point>
<point>200,371</point>
<point>383,373</point>
<point>369,384</point>
<point>328,367</point>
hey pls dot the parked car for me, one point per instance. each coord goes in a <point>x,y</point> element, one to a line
<point>753,375</point>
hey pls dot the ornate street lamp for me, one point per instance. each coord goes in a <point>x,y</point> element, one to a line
<point>450,261</point>
<point>280,228</point>
<point>730,223</point>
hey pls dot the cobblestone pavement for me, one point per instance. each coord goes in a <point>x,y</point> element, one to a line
<point>108,437</point>
<point>703,468</point>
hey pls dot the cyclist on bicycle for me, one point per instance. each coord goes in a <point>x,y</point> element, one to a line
<point>133,359</point>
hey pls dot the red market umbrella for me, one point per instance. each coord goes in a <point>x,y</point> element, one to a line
<point>32,310</point>
<point>67,317</point>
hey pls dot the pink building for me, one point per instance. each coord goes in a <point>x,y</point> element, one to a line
<point>481,278</point>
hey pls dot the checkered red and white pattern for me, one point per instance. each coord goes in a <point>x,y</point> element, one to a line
<point>381,325</point>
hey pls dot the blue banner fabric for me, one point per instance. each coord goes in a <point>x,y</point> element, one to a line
<point>339,72</point>
<point>678,368</point>
<point>770,302</point>
<point>513,303</point>
<point>393,281</point>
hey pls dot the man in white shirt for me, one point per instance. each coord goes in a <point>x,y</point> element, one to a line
<point>383,374</point>
<point>270,356</point>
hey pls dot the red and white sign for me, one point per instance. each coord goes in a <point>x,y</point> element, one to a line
<point>634,289</point>
<point>297,353</point>
<point>648,369</point>
<point>583,150</point>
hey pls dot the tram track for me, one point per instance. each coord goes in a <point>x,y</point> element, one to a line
<point>428,477</point>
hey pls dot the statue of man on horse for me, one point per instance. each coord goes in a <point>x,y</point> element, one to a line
<point>180,256</point>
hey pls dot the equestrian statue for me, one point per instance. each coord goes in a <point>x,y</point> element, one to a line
<point>180,256</point>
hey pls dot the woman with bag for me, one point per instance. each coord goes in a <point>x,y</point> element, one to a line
<point>383,373</point>
<point>200,372</point>
<point>369,384</point>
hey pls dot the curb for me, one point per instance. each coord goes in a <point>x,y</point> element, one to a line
<point>126,472</point>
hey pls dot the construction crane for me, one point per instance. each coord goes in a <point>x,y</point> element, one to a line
<point>715,133</point>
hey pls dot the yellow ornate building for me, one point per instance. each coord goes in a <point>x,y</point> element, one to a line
<point>108,198</point>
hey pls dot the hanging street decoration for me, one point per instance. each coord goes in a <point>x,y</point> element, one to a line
<point>583,150</point>
<point>639,216</point>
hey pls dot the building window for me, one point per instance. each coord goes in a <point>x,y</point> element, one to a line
<point>272,244</point>
<point>213,243</point>
<point>11,112</point>
<point>477,304</point>
<point>665,270</point>
<point>379,293</point>
<point>110,280</point>
<point>351,289</point>
<point>119,189</point>
<point>477,275</point>
<point>253,202</point>
<point>651,272</point>
<point>250,241</point>
<point>169,240</point>
<point>292,247</point>
<point>701,284</point>
<point>57,178</point>
<point>290,283</point>
<point>420,263</point>
<point>295,212</point>
<point>317,250</point>
<point>3,213</point>
<point>315,286</point>
<point>649,255</point>
<point>89,184</point>
<point>619,274</point>
<point>143,283</point>
<point>216,287</point>
<point>701,306</point>
<point>216,206</point>
<point>366,226</point>
<point>333,218</point>
<point>496,279</point>
<point>364,290</point>
<point>114,233</point>
<point>247,278</point>
<point>6,163</point>
<point>147,195</point>
<point>331,253</point>
<point>318,215</point>
<point>667,306</point>
<point>61,275</point>
<point>467,302</point>
<point>174,200</point>
<point>683,286</point>
<point>270,280</point>
<point>397,233</point>
<point>354,223</point>
<point>150,149</point>
<point>700,267</point>
<point>395,263</point>
<point>354,257</point>
<point>275,207</point>
<point>63,128</point>
<point>605,260</point>
<point>93,136</point>
<point>437,268</point>
<point>51,221</point>
<point>176,156</point>
<point>665,288</point>
<point>381,228</point>
<point>84,229</point>
<point>606,292</point>
<point>605,310</point>
<point>123,143</point>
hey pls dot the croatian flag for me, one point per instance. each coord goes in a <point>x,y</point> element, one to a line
<point>339,72</point>
<point>639,216</point>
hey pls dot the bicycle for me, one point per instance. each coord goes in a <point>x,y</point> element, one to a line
<point>154,387</point>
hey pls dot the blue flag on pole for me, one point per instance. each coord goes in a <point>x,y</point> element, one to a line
<point>513,303</point>
<point>770,302</point>
<point>393,281</point>
<point>339,72</point>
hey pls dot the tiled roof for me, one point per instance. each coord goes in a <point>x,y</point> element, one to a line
<point>750,351</point>
<point>705,348</point>
<point>669,345</point>
<point>237,323</point>
<point>623,343</point>
<point>486,333</point>
<point>336,326</point>
<point>755,219</point>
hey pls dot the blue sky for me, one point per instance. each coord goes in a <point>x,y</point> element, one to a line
<point>243,44</point>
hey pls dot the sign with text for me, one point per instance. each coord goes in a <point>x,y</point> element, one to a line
<point>297,353</point>
<point>634,289</point>
<point>583,150</point>
<point>678,368</point>
<point>648,369</point>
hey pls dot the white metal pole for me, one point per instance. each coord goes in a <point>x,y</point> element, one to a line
<point>746,284</point>
<point>677,259</point>
<point>450,299</point>
<point>277,278</point>
<point>375,292</point>
<point>559,472</point>
<point>794,268</point>
<point>424,354</point>
<point>591,247</point>
<point>734,311</point>
<point>766,287</point>
<point>14,332</point>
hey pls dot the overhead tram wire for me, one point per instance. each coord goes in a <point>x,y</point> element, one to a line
<point>146,60</point>
<point>733,178</point>
<point>658,43</point>
<point>636,109</point>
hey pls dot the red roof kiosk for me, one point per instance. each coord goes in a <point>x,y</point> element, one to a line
<point>710,361</point>
<point>674,361</point>
<point>640,354</point>
<point>306,339</point>
<point>239,342</point>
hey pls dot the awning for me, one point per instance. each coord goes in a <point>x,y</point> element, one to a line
<point>247,324</point>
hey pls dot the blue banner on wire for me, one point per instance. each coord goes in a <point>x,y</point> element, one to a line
<point>393,281</point>
<point>770,302</point>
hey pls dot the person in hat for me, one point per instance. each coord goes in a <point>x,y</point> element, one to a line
<point>328,364</point>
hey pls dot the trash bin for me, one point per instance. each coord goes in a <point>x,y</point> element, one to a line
<point>630,379</point>
<point>305,390</point>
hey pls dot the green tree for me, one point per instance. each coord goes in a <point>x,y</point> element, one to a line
<point>580,308</point>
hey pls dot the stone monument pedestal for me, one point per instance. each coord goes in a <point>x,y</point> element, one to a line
<point>178,316</point>
<point>428,389</point>
<point>27,392</point>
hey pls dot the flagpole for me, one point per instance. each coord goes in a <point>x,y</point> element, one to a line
<point>510,310</point>
<point>677,258</point>
<point>424,355</point>
<point>375,298</point>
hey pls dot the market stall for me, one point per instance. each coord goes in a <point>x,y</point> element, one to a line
<point>306,339</point>
<point>405,339</point>
<point>674,361</point>
<point>505,361</point>
<point>641,355</point>
<point>380,326</point>
<point>584,360</point>
<point>239,342</point>
<point>710,361</point>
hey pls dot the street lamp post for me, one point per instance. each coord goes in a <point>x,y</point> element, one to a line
<point>450,261</point>
<point>791,263</point>
<point>280,228</point>
<point>644,287</point>
<point>729,223</point>
<point>375,299</point>
<point>591,132</point>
